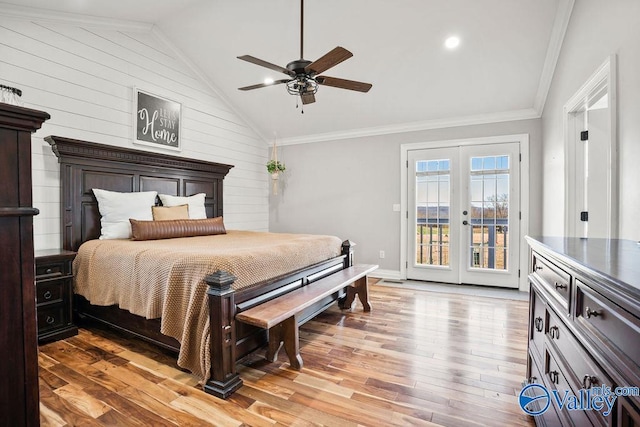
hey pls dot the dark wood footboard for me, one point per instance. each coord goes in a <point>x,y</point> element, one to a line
<point>231,340</point>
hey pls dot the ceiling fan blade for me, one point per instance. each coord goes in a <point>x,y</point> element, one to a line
<point>344,84</point>
<point>266,64</point>
<point>308,98</point>
<point>259,85</point>
<point>329,60</point>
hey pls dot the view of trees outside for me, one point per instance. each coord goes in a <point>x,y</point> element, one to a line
<point>488,215</point>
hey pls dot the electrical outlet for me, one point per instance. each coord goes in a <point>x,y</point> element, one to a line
<point>381,254</point>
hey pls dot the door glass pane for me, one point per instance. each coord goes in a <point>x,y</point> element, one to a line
<point>489,194</point>
<point>433,193</point>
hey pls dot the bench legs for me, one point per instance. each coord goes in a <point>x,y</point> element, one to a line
<point>285,333</point>
<point>360,288</point>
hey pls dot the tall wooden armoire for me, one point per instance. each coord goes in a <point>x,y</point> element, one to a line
<point>19,401</point>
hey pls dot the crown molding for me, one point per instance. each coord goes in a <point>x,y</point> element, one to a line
<point>506,116</point>
<point>560,25</point>
<point>46,15</point>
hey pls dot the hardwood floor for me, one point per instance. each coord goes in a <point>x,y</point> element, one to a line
<point>418,358</point>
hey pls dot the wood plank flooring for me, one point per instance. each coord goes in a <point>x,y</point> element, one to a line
<point>418,358</point>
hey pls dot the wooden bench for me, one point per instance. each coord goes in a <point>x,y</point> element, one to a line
<point>280,315</point>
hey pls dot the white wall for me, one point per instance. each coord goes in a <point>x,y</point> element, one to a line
<point>83,77</point>
<point>348,187</point>
<point>597,29</point>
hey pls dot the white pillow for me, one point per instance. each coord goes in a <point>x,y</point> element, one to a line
<point>116,209</point>
<point>195,202</point>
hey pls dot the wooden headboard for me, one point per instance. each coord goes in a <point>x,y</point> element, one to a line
<point>87,165</point>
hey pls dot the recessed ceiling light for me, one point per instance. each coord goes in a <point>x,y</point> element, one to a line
<point>452,42</point>
<point>268,81</point>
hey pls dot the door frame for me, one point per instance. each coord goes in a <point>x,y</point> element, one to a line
<point>604,76</point>
<point>522,139</point>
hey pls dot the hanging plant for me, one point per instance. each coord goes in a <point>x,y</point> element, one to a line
<point>274,166</point>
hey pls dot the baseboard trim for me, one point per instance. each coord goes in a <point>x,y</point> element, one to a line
<point>386,274</point>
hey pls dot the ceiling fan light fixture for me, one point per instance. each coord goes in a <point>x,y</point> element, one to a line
<point>302,86</point>
<point>303,75</point>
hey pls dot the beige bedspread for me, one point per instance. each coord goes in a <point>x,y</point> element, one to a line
<point>164,278</point>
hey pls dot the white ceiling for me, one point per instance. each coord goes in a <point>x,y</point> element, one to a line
<point>501,69</point>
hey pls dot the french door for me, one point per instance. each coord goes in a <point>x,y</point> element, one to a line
<point>464,214</point>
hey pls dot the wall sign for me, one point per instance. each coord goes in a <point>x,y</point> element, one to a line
<point>157,120</point>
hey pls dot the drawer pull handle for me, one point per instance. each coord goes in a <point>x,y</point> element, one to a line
<point>538,267</point>
<point>539,324</point>
<point>47,295</point>
<point>48,271</point>
<point>560,285</point>
<point>554,376</point>
<point>589,381</point>
<point>588,312</point>
<point>51,320</point>
<point>554,332</point>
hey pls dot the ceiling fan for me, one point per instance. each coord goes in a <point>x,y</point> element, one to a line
<point>304,75</point>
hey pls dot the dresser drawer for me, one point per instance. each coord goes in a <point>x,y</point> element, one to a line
<point>628,414</point>
<point>557,380</point>
<point>612,328</point>
<point>548,417</point>
<point>52,290</point>
<point>537,322</point>
<point>581,371</point>
<point>556,280</point>
<point>53,269</point>
<point>52,316</point>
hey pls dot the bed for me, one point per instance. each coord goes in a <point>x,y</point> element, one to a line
<point>86,165</point>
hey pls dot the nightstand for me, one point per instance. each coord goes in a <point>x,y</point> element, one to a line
<point>54,294</point>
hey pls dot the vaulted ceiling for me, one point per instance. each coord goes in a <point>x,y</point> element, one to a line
<point>501,69</point>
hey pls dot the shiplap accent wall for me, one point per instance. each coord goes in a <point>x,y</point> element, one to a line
<point>84,78</point>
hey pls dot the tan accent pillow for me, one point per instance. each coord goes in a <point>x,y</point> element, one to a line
<point>165,213</point>
<point>153,230</point>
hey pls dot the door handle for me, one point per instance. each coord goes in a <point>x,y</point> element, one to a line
<point>465,222</point>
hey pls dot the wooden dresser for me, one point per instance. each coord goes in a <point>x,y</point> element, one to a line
<point>19,404</point>
<point>584,326</point>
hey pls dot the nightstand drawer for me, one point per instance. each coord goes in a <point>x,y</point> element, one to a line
<point>53,269</point>
<point>52,316</point>
<point>52,290</point>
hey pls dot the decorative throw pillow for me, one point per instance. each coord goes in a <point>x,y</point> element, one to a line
<point>116,208</point>
<point>154,230</point>
<point>195,202</point>
<point>165,213</point>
